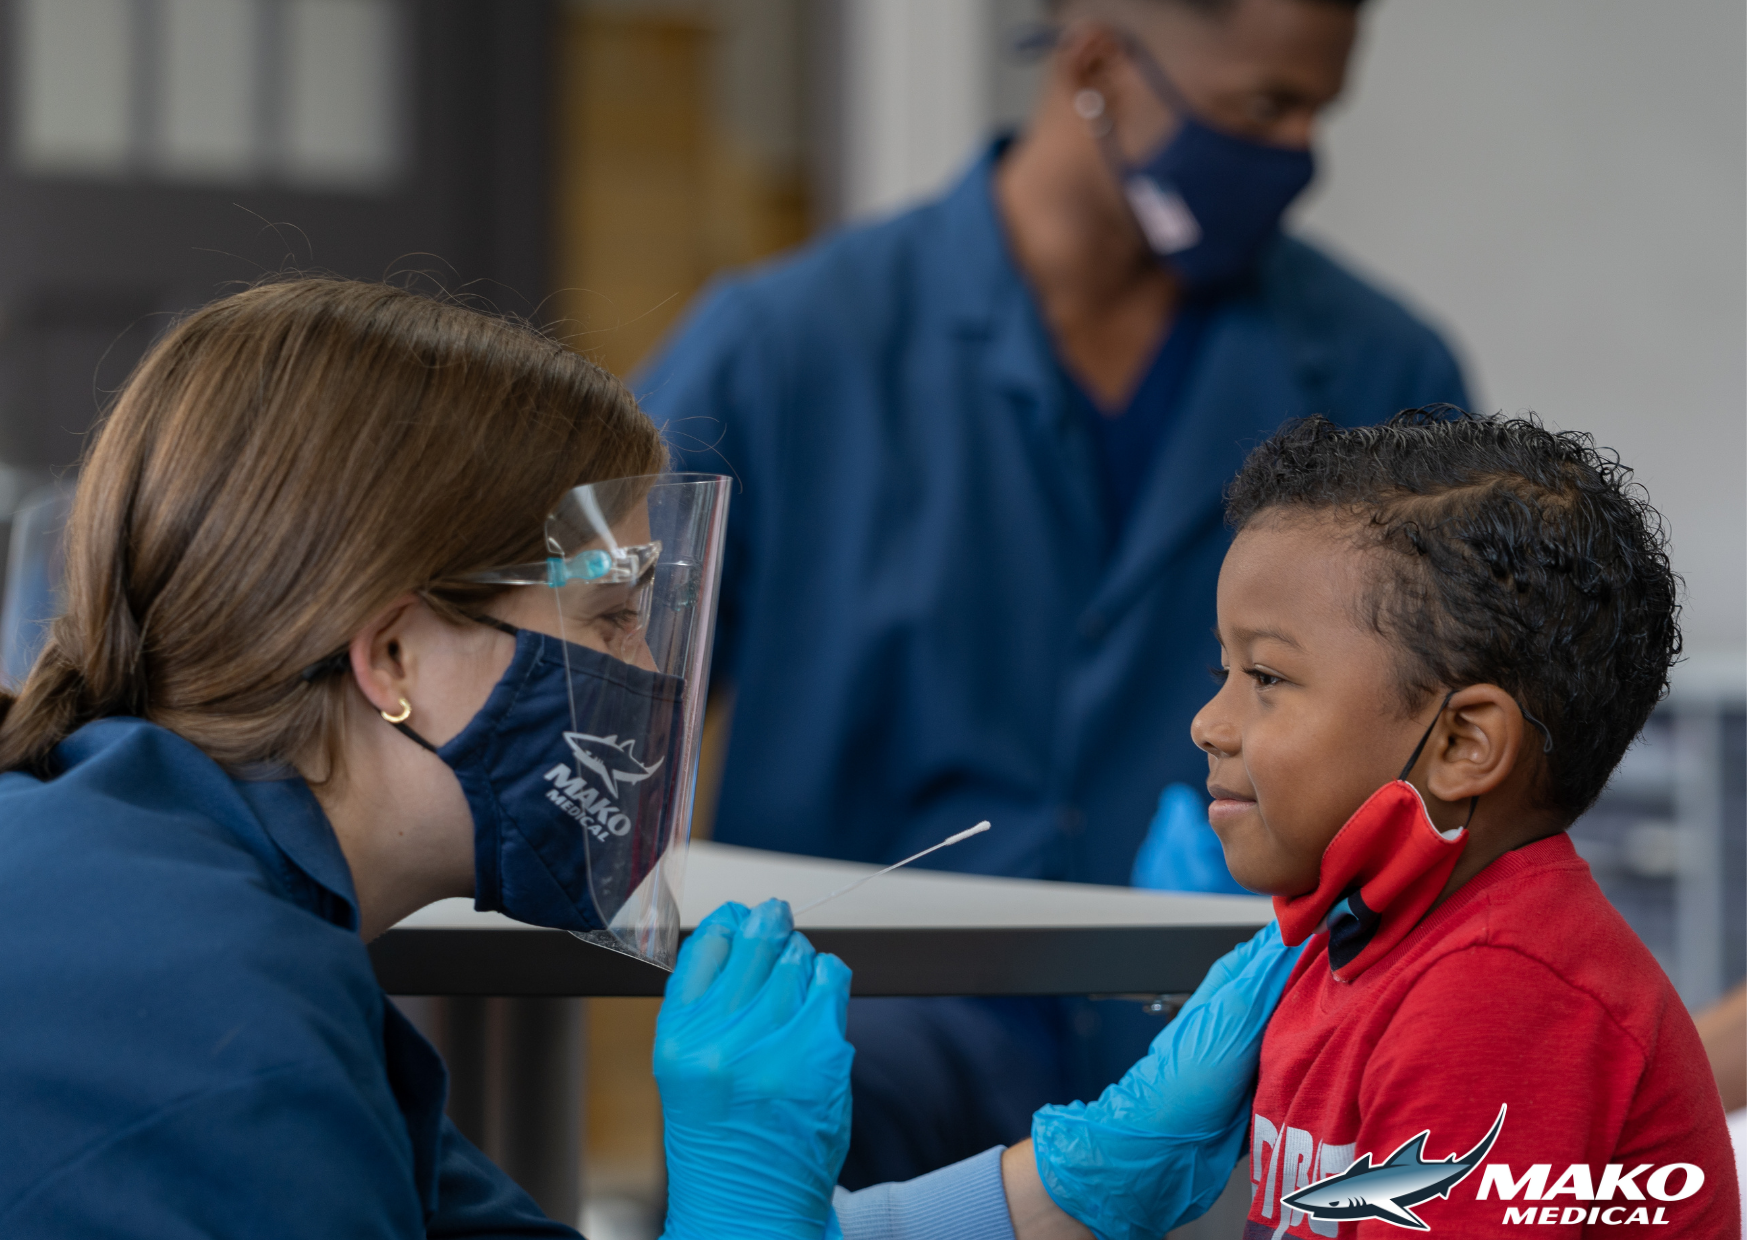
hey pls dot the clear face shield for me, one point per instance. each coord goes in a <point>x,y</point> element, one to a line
<point>603,711</point>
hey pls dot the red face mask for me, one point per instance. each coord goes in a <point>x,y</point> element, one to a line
<point>1379,875</point>
<point>1382,871</point>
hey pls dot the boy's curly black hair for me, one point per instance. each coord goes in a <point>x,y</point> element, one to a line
<point>1515,556</point>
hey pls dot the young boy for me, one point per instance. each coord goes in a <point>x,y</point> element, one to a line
<point>1438,638</point>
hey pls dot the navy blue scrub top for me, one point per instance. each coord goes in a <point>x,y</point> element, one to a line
<point>922,618</point>
<point>195,1044</point>
<point>1126,440</point>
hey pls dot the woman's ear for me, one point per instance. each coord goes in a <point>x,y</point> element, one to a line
<point>379,662</point>
<point>1477,744</point>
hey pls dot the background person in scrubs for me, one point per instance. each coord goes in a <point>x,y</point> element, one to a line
<point>972,569</point>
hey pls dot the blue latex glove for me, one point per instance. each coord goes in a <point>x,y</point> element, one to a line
<point>1181,851</point>
<point>755,1079</point>
<point>1158,1146</point>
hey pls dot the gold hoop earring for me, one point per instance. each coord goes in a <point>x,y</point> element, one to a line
<point>406,713</point>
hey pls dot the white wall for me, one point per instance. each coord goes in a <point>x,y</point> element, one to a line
<point>915,97</point>
<point>1559,184</point>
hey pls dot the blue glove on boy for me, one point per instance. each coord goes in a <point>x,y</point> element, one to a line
<point>754,1075</point>
<point>1158,1146</point>
<point>1181,851</point>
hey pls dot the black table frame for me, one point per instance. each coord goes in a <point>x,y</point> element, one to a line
<point>1073,960</point>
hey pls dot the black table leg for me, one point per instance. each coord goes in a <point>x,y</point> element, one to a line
<point>516,1087</point>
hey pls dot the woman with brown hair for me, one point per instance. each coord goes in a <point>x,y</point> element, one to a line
<point>311,677</point>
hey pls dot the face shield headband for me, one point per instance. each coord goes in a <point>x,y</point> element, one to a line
<point>579,768</point>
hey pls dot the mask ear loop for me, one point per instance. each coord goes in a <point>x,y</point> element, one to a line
<point>1547,736</point>
<point>1415,756</point>
<point>398,722</point>
<point>1163,87</point>
<point>1547,746</point>
<point>1090,105</point>
<point>1424,737</point>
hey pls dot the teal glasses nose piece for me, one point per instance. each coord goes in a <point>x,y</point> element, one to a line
<point>596,566</point>
<point>585,566</point>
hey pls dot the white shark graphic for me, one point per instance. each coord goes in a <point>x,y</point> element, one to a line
<point>1386,1192</point>
<point>611,759</point>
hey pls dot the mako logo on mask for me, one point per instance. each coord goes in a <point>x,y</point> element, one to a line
<point>613,762</point>
<point>612,759</point>
<point>1386,1192</point>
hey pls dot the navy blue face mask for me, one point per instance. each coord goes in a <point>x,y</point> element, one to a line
<point>568,770</point>
<point>1208,201</point>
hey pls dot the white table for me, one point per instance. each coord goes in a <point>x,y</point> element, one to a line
<point>913,932</point>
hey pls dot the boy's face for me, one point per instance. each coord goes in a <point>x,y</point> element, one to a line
<point>1307,723</point>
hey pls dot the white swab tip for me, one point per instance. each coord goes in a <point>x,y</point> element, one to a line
<point>951,839</point>
<point>966,834</point>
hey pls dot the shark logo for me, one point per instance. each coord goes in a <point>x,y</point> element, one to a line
<point>611,759</point>
<point>1386,1192</point>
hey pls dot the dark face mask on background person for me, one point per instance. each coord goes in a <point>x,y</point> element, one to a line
<point>1206,201</point>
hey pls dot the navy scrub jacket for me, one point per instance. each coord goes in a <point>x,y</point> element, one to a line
<point>194,1043</point>
<point>923,618</point>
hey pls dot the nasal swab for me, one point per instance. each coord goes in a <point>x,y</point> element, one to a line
<point>979,829</point>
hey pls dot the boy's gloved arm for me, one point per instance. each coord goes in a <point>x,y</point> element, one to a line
<point>754,1075</point>
<point>1158,1146</point>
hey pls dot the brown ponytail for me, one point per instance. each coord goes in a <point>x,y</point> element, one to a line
<point>285,463</point>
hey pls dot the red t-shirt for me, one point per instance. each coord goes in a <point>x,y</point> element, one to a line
<point>1524,989</point>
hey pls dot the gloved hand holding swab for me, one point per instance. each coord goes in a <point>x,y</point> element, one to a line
<point>951,839</point>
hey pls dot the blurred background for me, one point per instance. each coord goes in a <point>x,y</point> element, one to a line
<point>1556,184</point>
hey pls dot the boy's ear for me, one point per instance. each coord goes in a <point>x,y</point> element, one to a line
<point>1476,745</point>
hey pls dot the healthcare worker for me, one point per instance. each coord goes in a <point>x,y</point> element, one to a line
<point>983,445</point>
<point>372,600</point>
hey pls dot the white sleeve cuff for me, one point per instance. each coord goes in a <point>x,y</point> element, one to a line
<point>963,1202</point>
